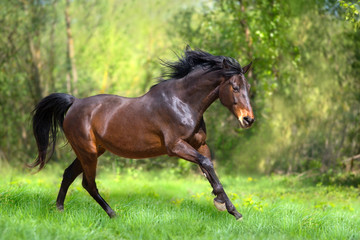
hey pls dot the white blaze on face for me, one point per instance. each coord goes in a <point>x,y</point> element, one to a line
<point>243,113</point>
<point>241,121</point>
<point>240,117</point>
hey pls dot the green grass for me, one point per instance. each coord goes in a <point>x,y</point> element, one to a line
<point>164,206</point>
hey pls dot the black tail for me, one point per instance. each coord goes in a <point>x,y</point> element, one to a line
<point>48,115</point>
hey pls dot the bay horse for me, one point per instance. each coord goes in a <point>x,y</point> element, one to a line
<point>168,119</point>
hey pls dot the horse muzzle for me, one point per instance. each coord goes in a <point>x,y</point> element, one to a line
<point>246,122</point>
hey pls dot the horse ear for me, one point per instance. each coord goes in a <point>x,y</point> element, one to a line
<point>187,48</point>
<point>247,67</point>
<point>225,64</point>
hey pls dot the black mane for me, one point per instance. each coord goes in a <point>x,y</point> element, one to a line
<point>194,58</point>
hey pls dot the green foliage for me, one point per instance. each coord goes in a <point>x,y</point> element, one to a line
<point>116,52</point>
<point>339,179</point>
<point>352,12</point>
<point>305,89</point>
<point>157,205</point>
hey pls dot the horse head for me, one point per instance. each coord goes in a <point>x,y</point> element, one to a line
<point>234,94</point>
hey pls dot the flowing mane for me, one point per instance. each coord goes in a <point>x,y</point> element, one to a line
<point>198,58</point>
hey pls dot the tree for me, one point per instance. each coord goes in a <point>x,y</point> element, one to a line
<point>303,68</point>
<point>71,75</point>
<point>352,12</point>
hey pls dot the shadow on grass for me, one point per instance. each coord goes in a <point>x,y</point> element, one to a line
<point>146,211</point>
<point>34,202</point>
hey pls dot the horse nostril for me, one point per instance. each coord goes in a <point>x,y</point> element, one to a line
<point>248,120</point>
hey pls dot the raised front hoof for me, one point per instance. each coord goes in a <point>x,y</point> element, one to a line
<point>220,206</point>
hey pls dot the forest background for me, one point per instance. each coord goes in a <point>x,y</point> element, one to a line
<point>305,77</point>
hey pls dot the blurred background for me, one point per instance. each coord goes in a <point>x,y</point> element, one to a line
<point>305,76</point>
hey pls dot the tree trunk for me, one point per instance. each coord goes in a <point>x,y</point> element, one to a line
<point>71,75</point>
<point>51,64</point>
<point>35,84</point>
<point>248,38</point>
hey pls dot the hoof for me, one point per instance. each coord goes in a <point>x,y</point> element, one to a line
<point>60,207</point>
<point>220,206</point>
<point>112,214</point>
<point>238,217</point>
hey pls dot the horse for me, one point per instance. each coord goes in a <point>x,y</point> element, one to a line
<point>168,119</point>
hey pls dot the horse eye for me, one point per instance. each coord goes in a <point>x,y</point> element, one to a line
<point>236,89</point>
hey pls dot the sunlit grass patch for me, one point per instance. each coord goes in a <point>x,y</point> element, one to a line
<point>163,206</point>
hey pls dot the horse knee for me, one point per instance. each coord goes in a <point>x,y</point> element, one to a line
<point>205,163</point>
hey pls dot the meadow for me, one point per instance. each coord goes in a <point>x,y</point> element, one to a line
<point>305,93</point>
<point>163,205</point>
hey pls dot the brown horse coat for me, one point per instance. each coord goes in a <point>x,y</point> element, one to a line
<point>166,120</point>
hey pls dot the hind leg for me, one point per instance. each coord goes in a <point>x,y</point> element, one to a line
<point>89,163</point>
<point>68,178</point>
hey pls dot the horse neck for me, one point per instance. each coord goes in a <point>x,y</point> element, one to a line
<point>199,90</point>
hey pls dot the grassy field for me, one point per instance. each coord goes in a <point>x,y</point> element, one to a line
<point>164,206</point>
